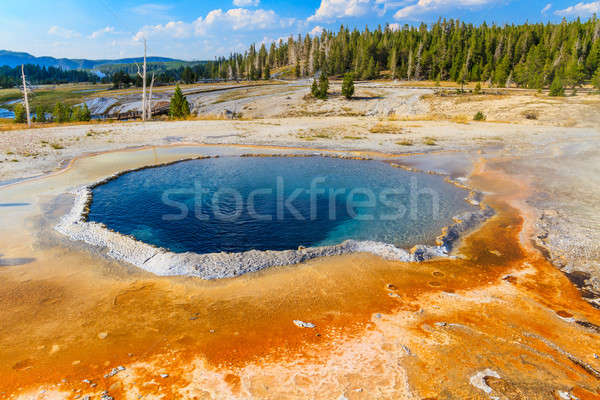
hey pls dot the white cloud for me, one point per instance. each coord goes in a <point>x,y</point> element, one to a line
<point>547,8</point>
<point>331,9</point>
<point>63,32</point>
<point>101,32</point>
<point>425,6</point>
<point>151,9</point>
<point>173,29</point>
<point>580,10</point>
<point>246,3</point>
<point>316,31</point>
<point>235,19</point>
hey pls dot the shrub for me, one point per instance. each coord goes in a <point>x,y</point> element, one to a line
<point>531,115</point>
<point>348,85</point>
<point>319,90</point>
<point>429,141</point>
<point>556,88</point>
<point>20,114</point>
<point>479,116</point>
<point>81,113</point>
<point>40,114</point>
<point>179,107</point>
<point>477,89</point>
<point>62,113</point>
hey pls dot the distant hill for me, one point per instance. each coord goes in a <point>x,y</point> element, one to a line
<point>13,59</point>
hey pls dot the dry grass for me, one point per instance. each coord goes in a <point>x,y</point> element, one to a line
<point>9,125</point>
<point>417,117</point>
<point>460,119</point>
<point>430,141</point>
<point>353,137</point>
<point>384,128</point>
<point>405,142</point>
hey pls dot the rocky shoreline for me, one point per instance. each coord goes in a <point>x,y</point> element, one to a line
<point>162,262</point>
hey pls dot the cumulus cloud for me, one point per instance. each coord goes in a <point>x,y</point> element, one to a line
<point>173,29</point>
<point>580,10</point>
<point>316,31</point>
<point>102,32</point>
<point>63,32</point>
<point>425,6</point>
<point>235,19</point>
<point>246,3</point>
<point>331,9</point>
<point>547,8</point>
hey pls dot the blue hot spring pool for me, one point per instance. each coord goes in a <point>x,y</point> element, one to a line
<point>235,204</point>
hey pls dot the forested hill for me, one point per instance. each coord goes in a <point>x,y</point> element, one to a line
<point>529,55</point>
<point>10,77</point>
<point>13,59</point>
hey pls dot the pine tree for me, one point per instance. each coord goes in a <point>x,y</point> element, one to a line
<point>323,86</point>
<point>62,113</point>
<point>348,85</point>
<point>188,75</point>
<point>266,73</point>
<point>596,79</point>
<point>557,89</point>
<point>40,114</point>
<point>314,89</point>
<point>20,114</point>
<point>179,107</point>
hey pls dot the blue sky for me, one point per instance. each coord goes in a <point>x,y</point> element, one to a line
<point>196,29</point>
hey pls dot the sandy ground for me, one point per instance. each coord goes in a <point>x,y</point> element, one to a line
<point>499,321</point>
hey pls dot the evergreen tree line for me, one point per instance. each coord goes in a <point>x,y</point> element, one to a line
<point>61,113</point>
<point>528,55</point>
<point>11,77</point>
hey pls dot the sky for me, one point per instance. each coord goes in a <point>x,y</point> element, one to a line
<point>202,30</point>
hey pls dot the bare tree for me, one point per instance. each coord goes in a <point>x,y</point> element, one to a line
<point>149,114</point>
<point>143,76</point>
<point>25,96</point>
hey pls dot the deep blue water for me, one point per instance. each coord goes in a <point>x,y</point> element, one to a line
<point>235,204</point>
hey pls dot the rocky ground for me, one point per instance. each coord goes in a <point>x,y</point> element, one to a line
<point>508,322</point>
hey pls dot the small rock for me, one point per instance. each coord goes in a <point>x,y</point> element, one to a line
<point>441,323</point>
<point>164,376</point>
<point>302,324</point>
<point>102,335</point>
<point>115,371</point>
<point>93,385</point>
<point>596,356</point>
<point>378,315</point>
<point>86,381</point>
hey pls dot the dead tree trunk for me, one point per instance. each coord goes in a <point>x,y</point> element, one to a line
<point>149,113</point>
<point>143,76</point>
<point>25,96</point>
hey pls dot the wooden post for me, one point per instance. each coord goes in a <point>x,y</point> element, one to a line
<point>25,95</point>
